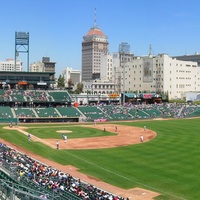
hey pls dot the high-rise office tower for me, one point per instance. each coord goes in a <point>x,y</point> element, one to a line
<point>93,46</point>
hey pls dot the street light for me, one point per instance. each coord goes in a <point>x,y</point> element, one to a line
<point>124,48</point>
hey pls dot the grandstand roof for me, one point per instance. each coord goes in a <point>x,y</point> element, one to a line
<point>26,73</point>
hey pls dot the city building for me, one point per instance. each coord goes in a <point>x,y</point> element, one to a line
<point>71,75</point>
<point>94,45</point>
<point>43,66</point>
<point>194,58</point>
<point>9,65</point>
<point>106,67</point>
<point>162,74</point>
<point>112,68</point>
<point>91,99</point>
<point>98,87</point>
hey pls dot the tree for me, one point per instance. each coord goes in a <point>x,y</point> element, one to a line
<point>70,83</point>
<point>61,81</point>
<point>79,88</point>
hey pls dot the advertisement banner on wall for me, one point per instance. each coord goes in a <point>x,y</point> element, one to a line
<point>148,70</point>
<point>100,120</point>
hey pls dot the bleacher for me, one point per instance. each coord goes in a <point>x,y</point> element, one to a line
<point>46,112</point>
<point>60,96</point>
<point>116,113</point>
<point>152,112</point>
<point>2,95</point>
<point>17,95</point>
<point>190,111</point>
<point>24,112</point>
<point>5,112</point>
<point>133,113</point>
<point>68,112</point>
<point>36,96</point>
<point>23,176</point>
<point>42,104</point>
<point>171,110</point>
<point>142,114</point>
<point>92,112</point>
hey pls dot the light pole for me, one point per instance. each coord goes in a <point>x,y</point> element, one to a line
<point>124,48</point>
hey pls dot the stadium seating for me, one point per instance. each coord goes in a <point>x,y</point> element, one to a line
<point>191,111</point>
<point>46,112</point>
<point>31,178</point>
<point>2,95</point>
<point>92,112</point>
<point>153,112</point>
<point>5,112</point>
<point>17,95</point>
<point>24,112</point>
<point>68,112</point>
<point>52,104</point>
<point>36,96</point>
<point>117,112</point>
<point>60,96</point>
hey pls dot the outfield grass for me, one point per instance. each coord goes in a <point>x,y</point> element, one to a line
<point>168,164</point>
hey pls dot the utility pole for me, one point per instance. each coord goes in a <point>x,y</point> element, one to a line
<point>124,48</point>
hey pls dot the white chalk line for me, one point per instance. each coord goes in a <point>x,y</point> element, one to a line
<point>147,186</point>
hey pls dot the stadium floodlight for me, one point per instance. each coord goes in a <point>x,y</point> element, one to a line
<point>22,45</point>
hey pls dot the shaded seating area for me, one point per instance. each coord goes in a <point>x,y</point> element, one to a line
<point>68,112</point>
<point>60,96</point>
<point>24,112</point>
<point>17,95</point>
<point>92,112</point>
<point>46,112</point>
<point>2,95</point>
<point>5,112</point>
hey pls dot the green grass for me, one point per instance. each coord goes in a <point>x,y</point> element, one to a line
<point>43,131</point>
<point>168,164</point>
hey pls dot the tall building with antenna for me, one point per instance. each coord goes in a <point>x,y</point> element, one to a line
<point>94,45</point>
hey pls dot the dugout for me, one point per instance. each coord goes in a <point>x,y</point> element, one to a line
<point>48,120</point>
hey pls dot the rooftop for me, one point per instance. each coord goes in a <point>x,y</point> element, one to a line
<point>95,31</point>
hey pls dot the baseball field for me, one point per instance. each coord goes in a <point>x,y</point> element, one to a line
<point>166,166</point>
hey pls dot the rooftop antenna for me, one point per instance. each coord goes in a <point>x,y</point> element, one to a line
<point>95,18</point>
<point>150,50</point>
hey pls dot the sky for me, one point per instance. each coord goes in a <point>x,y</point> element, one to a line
<point>56,27</point>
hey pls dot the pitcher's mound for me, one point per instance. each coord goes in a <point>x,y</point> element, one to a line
<point>63,131</point>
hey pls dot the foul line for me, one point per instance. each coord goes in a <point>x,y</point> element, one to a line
<point>152,188</point>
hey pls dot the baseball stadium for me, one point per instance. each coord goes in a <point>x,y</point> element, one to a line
<point>103,156</point>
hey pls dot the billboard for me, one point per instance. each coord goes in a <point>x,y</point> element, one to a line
<point>148,70</point>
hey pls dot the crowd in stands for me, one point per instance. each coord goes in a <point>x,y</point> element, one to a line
<point>24,113</point>
<point>50,178</point>
<point>6,95</point>
<point>113,111</point>
<point>146,110</point>
<point>33,95</point>
<point>185,111</point>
